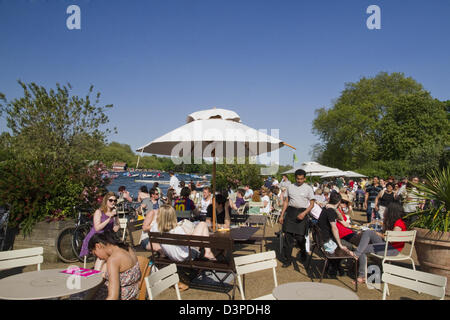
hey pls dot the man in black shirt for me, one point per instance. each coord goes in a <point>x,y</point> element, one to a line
<point>328,229</point>
<point>372,191</point>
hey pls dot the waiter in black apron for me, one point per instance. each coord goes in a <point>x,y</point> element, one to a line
<point>294,216</point>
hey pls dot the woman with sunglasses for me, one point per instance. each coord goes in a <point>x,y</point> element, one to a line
<point>105,218</point>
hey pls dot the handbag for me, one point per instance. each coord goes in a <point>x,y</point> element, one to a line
<point>330,246</point>
<point>187,226</point>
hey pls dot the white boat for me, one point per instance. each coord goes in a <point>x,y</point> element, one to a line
<point>151,181</point>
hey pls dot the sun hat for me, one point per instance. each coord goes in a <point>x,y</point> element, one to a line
<point>344,197</point>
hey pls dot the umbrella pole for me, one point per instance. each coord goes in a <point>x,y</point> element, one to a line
<point>214,192</point>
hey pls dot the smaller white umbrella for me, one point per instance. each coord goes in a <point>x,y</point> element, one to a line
<point>347,174</point>
<point>313,168</point>
<point>352,174</point>
<point>333,174</point>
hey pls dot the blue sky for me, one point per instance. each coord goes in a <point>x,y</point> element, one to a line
<point>273,62</point>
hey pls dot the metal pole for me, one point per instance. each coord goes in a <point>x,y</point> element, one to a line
<point>214,190</point>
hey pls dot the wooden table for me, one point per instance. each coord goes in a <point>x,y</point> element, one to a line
<point>312,291</point>
<point>237,234</point>
<point>45,284</point>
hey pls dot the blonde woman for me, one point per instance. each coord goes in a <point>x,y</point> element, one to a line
<point>105,218</point>
<point>256,197</point>
<point>166,221</point>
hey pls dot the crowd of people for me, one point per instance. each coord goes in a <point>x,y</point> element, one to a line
<point>327,205</point>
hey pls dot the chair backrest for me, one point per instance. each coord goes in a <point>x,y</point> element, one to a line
<point>255,262</point>
<point>161,280</point>
<point>257,219</point>
<point>22,257</point>
<point>401,236</point>
<point>223,244</point>
<point>256,204</point>
<point>123,225</point>
<point>135,231</point>
<point>420,281</point>
<point>317,236</point>
<point>145,269</point>
<point>241,209</point>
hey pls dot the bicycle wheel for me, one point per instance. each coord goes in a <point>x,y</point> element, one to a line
<point>77,241</point>
<point>63,245</point>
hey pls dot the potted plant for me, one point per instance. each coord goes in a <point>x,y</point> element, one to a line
<point>432,224</point>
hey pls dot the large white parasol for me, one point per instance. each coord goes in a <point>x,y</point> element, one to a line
<point>213,133</point>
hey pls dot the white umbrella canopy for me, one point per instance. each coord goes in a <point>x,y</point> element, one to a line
<point>352,174</point>
<point>214,113</point>
<point>333,174</point>
<point>216,133</point>
<point>200,137</point>
<point>347,174</point>
<point>313,168</point>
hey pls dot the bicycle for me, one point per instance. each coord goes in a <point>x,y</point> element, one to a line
<point>69,241</point>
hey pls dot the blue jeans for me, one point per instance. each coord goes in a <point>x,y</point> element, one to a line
<point>369,212</point>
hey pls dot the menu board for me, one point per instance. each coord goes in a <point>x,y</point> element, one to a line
<point>80,272</point>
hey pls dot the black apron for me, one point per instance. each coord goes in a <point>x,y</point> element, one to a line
<point>293,225</point>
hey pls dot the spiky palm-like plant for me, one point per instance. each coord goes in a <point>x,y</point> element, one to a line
<point>436,191</point>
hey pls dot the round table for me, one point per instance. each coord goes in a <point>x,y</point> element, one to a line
<point>312,291</point>
<point>45,284</point>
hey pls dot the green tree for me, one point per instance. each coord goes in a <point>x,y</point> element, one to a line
<point>379,120</point>
<point>48,167</point>
<point>54,126</point>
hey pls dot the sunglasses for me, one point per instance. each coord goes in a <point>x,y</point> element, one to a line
<point>111,200</point>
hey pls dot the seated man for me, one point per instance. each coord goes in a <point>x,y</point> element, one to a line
<point>248,193</point>
<point>151,203</point>
<point>184,203</point>
<point>329,230</point>
<point>124,194</point>
<point>150,207</point>
<point>239,200</point>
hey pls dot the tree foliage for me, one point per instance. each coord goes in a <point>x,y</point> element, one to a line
<point>46,162</point>
<point>386,124</point>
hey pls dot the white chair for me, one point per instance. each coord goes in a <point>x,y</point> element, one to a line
<point>396,236</point>
<point>415,280</point>
<point>252,263</point>
<point>123,225</point>
<point>274,214</point>
<point>22,257</point>
<point>255,207</point>
<point>161,280</point>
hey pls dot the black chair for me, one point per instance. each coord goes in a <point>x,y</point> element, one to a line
<point>135,231</point>
<point>337,255</point>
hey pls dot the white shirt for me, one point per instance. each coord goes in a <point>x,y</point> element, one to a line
<point>299,196</point>
<point>265,209</point>
<point>275,182</point>
<point>248,194</point>
<point>174,183</point>
<point>204,205</point>
<point>173,252</point>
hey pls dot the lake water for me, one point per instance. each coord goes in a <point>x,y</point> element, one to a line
<point>163,180</point>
